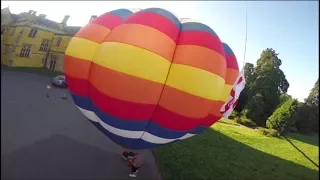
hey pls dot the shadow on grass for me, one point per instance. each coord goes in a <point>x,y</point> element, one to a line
<point>212,155</point>
<point>40,71</point>
<point>313,140</point>
<point>60,157</point>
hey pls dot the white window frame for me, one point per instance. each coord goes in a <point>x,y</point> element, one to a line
<point>26,50</point>
<point>33,33</point>
<point>44,45</point>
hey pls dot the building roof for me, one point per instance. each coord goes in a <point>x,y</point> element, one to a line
<point>16,16</point>
<point>47,22</point>
<point>71,30</point>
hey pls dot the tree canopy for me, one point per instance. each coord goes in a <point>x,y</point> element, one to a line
<point>265,97</point>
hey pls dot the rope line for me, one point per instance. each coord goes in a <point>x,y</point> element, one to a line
<point>246,37</point>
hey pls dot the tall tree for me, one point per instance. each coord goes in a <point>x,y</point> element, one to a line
<point>307,118</point>
<point>268,83</point>
<point>248,74</point>
<point>313,98</point>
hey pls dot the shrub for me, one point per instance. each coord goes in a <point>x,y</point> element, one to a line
<point>233,115</point>
<point>268,132</point>
<point>245,121</point>
<point>281,118</point>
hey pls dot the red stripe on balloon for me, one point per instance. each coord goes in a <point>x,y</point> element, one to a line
<point>173,121</point>
<point>155,21</point>
<point>232,62</point>
<point>200,38</point>
<point>121,109</point>
<point>108,20</point>
<point>77,86</point>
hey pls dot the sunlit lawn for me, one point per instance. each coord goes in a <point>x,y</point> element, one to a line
<point>228,152</point>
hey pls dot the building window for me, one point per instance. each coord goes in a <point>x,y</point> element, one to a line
<point>5,49</point>
<point>33,33</point>
<point>58,41</point>
<point>26,50</point>
<point>3,30</point>
<point>53,61</point>
<point>44,46</point>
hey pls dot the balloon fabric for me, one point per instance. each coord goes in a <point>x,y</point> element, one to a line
<point>147,79</point>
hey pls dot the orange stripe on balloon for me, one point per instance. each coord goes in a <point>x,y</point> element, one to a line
<point>124,87</point>
<point>216,106</point>
<point>93,32</point>
<point>200,57</point>
<point>231,76</point>
<point>144,37</point>
<point>76,67</point>
<point>186,104</point>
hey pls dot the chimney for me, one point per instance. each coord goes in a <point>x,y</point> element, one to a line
<point>93,17</point>
<point>30,12</point>
<point>42,16</point>
<point>34,12</point>
<point>65,19</point>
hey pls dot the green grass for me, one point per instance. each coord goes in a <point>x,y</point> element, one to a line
<point>228,152</point>
<point>40,71</point>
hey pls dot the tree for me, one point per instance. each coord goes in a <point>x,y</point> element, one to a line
<point>313,98</point>
<point>281,118</point>
<point>248,75</point>
<point>255,110</point>
<point>307,118</point>
<point>284,98</point>
<point>268,82</point>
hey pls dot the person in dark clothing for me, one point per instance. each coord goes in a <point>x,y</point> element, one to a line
<point>136,161</point>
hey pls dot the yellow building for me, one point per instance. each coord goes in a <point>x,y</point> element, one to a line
<point>28,40</point>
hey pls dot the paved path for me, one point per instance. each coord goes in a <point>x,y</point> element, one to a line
<point>49,138</point>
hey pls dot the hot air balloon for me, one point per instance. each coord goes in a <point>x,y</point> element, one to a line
<point>146,79</point>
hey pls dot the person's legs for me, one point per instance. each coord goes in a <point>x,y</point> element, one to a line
<point>134,171</point>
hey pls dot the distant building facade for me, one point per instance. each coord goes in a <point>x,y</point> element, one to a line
<point>28,40</point>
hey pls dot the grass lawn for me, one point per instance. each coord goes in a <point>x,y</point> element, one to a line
<point>40,71</point>
<point>227,152</point>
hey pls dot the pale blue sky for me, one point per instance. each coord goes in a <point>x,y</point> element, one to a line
<point>291,28</point>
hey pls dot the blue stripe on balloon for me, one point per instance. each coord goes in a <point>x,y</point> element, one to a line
<point>123,13</point>
<point>127,142</point>
<point>131,125</point>
<point>227,49</point>
<point>195,26</point>
<point>164,13</point>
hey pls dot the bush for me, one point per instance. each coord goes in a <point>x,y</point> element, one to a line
<point>245,121</point>
<point>281,118</point>
<point>233,115</point>
<point>268,132</point>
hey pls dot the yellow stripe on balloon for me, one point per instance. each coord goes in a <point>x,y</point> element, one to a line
<point>226,92</point>
<point>82,48</point>
<point>196,81</point>
<point>132,60</point>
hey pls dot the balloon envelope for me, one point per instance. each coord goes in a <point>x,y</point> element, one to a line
<point>145,79</point>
